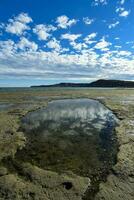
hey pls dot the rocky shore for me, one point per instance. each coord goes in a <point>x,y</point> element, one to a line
<point>26,181</point>
<point>120,183</point>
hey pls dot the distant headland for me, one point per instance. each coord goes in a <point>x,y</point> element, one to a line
<point>98,83</point>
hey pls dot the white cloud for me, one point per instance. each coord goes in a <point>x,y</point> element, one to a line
<point>43,31</point>
<point>124,53</point>
<point>122,12</point>
<point>54,44</point>
<point>18,25</point>
<point>16,28</point>
<point>7,48</point>
<point>89,37</point>
<point>113,25</point>
<point>26,45</point>
<point>71,37</point>
<point>24,18</point>
<point>100,2</point>
<point>122,2</point>
<point>125,13</point>
<point>102,45</point>
<point>64,22</point>
<point>2,25</point>
<point>118,46</point>
<point>78,61</point>
<point>117,38</point>
<point>119,9</point>
<point>129,42</point>
<point>87,20</point>
<point>78,46</point>
<point>83,65</point>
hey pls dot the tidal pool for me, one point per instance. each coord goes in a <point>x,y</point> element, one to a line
<point>71,135</point>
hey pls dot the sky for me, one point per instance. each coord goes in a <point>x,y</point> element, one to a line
<point>52,41</point>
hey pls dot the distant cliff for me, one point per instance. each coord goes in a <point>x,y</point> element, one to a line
<point>98,83</point>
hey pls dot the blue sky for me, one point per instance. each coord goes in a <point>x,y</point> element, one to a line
<point>50,41</point>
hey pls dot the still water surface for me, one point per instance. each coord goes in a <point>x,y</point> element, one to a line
<point>72,134</point>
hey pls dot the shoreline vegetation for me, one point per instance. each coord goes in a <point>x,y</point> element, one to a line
<point>30,182</point>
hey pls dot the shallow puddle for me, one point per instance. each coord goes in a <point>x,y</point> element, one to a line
<point>73,134</point>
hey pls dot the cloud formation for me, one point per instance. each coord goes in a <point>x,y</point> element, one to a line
<point>125,13</point>
<point>71,37</point>
<point>122,12</point>
<point>113,25</point>
<point>102,45</point>
<point>54,44</point>
<point>64,22</point>
<point>43,31</point>
<point>87,20</point>
<point>53,51</point>
<point>18,24</point>
<point>100,2</point>
<point>26,45</point>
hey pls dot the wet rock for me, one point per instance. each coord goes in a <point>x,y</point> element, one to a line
<point>43,185</point>
<point>120,183</point>
<point>3,171</point>
<point>116,188</point>
<point>10,138</point>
